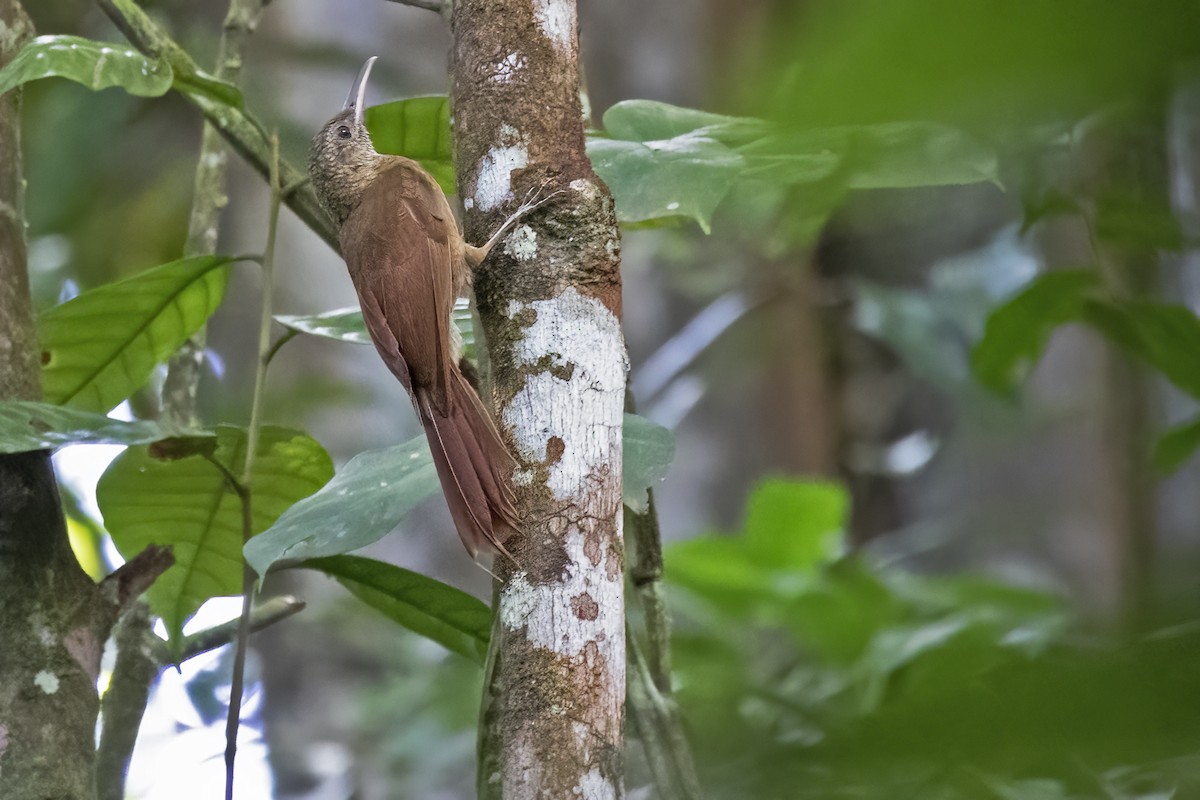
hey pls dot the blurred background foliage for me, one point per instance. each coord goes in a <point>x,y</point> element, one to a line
<point>917,373</point>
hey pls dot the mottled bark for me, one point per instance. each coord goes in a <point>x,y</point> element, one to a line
<point>51,648</point>
<point>550,301</point>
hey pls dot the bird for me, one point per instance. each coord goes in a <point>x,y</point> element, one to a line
<point>408,262</point>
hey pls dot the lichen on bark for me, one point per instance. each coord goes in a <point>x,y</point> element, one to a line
<point>550,301</point>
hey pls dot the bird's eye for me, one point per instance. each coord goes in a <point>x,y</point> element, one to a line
<point>343,132</point>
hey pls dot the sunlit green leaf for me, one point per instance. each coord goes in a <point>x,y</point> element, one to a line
<point>96,65</point>
<point>189,505</point>
<point>648,452</point>
<point>448,616</point>
<point>36,426</point>
<point>366,499</point>
<point>101,346</point>
<point>1017,332</point>
<point>418,128</point>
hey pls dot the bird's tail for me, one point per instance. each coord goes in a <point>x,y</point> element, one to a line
<point>473,465</point>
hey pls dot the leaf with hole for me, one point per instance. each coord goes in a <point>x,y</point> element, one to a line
<point>100,347</point>
<point>96,65</point>
<point>449,616</point>
<point>28,426</point>
<point>190,506</point>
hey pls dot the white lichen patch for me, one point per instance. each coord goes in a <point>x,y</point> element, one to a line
<point>508,67</point>
<point>557,21</point>
<point>521,244</point>
<point>46,681</point>
<point>594,786</point>
<point>551,620</point>
<point>579,399</point>
<point>493,181</point>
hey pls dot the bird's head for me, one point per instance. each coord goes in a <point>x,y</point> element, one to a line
<point>342,161</point>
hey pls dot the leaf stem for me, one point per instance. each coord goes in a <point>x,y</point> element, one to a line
<point>233,719</point>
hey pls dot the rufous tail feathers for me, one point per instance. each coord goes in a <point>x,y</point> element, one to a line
<point>473,465</point>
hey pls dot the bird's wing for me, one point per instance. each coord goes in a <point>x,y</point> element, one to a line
<point>397,247</point>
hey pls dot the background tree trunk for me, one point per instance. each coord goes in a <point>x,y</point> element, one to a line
<point>551,305</point>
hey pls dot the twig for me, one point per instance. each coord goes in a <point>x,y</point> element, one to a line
<point>656,721</point>
<point>183,370</point>
<point>650,699</point>
<point>252,434</point>
<point>263,616</point>
<point>124,586</point>
<point>125,700</point>
<point>244,133</point>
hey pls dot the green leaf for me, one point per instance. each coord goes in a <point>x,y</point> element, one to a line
<point>1017,332</point>
<point>101,346</point>
<point>647,121</point>
<point>1167,337</point>
<point>342,325</point>
<point>793,525</point>
<point>96,65</point>
<point>369,497</point>
<point>648,452</point>
<point>347,325</point>
<point>792,529</point>
<point>189,505</point>
<point>37,426</point>
<point>418,128</point>
<point>684,176</point>
<point>366,499</point>
<point>1176,446</point>
<point>448,616</point>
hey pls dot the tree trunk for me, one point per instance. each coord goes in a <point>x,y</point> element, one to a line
<point>53,622</point>
<point>550,302</point>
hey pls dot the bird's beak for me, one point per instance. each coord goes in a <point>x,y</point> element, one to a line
<point>358,92</point>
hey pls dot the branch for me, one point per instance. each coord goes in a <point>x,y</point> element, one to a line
<point>183,371</point>
<point>244,133</point>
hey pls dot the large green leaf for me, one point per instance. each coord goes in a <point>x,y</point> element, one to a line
<point>371,495</point>
<point>188,505</point>
<point>365,500</point>
<point>648,452</point>
<point>37,426</point>
<point>418,128</point>
<point>96,65</point>
<point>448,616</point>
<point>101,346</point>
<point>1017,332</point>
